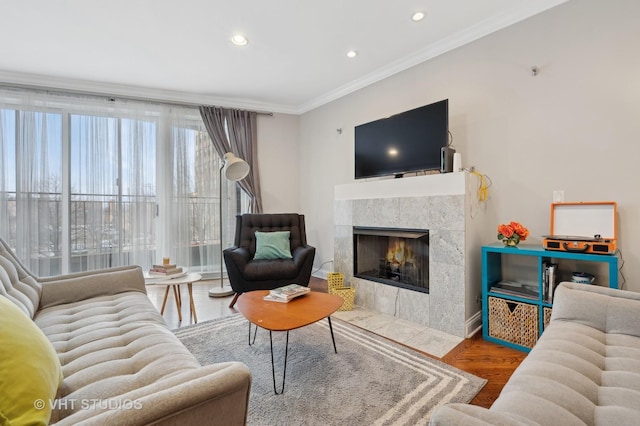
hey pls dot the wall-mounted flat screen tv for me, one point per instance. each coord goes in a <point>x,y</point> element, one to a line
<point>407,142</point>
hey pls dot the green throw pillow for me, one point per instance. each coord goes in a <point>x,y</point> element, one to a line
<point>30,371</point>
<point>273,245</point>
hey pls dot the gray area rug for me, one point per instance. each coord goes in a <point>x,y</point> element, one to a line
<point>370,381</point>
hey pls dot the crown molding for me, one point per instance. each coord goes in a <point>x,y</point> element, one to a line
<point>484,28</point>
<point>468,35</point>
<point>37,81</point>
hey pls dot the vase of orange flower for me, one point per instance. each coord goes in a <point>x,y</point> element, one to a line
<point>512,233</point>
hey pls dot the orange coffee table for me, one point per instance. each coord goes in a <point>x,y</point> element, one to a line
<point>276,316</point>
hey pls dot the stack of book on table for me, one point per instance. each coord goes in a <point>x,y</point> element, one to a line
<point>164,270</point>
<point>286,293</point>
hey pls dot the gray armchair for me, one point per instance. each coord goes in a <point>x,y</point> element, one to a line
<point>247,274</point>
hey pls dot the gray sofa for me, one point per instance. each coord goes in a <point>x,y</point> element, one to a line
<point>584,369</point>
<point>120,363</point>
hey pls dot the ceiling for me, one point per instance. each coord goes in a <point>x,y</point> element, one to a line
<point>181,50</point>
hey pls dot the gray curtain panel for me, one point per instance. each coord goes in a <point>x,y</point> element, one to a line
<point>241,141</point>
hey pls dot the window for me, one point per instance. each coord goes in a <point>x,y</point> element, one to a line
<point>89,183</point>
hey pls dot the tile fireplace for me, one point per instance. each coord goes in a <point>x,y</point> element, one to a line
<point>392,256</point>
<point>441,289</point>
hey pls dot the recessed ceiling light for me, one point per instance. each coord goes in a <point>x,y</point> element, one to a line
<point>352,54</point>
<point>418,16</point>
<point>239,40</point>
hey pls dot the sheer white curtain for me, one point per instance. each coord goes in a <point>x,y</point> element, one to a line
<point>193,211</point>
<point>193,237</point>
<point>139,189</point>
<point>30,183</point>
<point>88,182</point>
<point>95,210</point>
<point>112,151</point>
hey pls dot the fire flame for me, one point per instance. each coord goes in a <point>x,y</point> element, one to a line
<point>399,253</point>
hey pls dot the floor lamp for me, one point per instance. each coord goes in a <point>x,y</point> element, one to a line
<point>233,169</point>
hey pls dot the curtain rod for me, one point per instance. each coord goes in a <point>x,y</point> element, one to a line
<point>114,97</point>
<point>267,113</point>
<point>193,104</point>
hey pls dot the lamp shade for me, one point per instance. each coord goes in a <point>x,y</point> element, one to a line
<point>235,168</point>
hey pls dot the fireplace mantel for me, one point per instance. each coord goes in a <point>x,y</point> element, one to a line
<point>441,203</point>
<point>414,186</point>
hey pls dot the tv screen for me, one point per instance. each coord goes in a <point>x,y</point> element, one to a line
<point>407,142</point>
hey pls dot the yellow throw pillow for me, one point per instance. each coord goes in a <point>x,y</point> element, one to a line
<point>30,371</point>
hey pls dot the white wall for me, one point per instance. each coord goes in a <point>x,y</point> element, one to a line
<point>574,127</point>
<point>279,160</point>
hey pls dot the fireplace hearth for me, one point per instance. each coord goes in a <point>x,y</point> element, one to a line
<point>397,257</point>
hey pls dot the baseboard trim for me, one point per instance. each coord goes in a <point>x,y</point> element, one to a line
<point>473,324</point>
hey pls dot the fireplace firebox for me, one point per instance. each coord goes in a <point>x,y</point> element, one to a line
<point>397,257</point>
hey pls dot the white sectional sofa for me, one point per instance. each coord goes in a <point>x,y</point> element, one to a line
<point>120,364</point>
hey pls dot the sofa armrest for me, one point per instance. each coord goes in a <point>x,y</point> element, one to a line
<point>216,394</point>
<point>85,285</point>
<point>301,254</point>
<point>472,415</point>
<point>238,256</point>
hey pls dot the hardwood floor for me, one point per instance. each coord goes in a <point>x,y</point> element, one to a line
<point>493,362</point>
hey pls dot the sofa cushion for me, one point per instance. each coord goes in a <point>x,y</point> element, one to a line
<point>272,245</point>
<point>111,346</point>
<point>274,269</point>
<point>30,372</point>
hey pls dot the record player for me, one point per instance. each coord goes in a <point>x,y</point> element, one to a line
<point>583,227</point>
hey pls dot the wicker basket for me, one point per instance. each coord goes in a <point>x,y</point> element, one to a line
<point>335,281</point>
<point>513,321</point>
<point>546,312</point>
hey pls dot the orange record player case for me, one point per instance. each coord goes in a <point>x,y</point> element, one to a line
<point>583,227</point>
